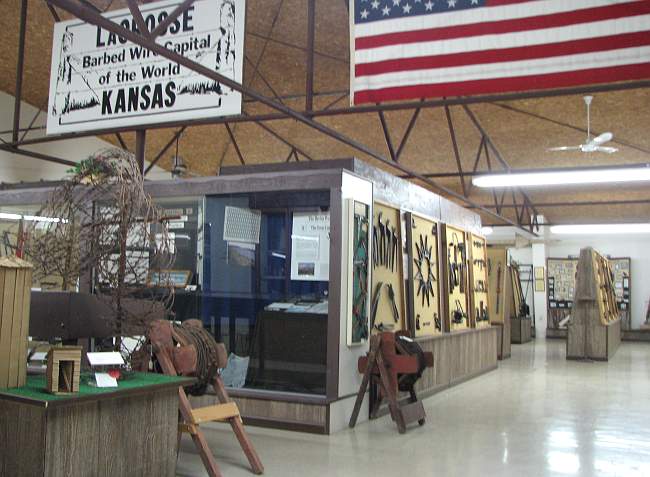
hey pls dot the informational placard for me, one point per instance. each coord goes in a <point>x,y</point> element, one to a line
<point>310,246</point>
<point>105,358</point>
<point>100,80</point>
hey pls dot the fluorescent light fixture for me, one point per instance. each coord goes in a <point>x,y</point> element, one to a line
<point>600,229</point>
<point>6,216</point>
<point>30,218</point>
<point>486,230</point>
<point>596,176</point>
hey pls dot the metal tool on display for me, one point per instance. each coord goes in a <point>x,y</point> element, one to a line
<point>393,250</point>
<point>375,245</point>
<point>387,243</point>
<point>391,296</point>
<point>424,270</point>
<point>459,313</point>
<point>375,302</point>
<point>437,322</point>
<point>498,286</point>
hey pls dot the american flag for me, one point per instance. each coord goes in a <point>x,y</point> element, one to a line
<point>406,49</point>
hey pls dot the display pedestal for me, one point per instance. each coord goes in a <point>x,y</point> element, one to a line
<point>503,341</point>
<point>598,342</point>
<point>555,333</point>
<point>124,431</point>
<point>594,331</point>
<point>521,330</point>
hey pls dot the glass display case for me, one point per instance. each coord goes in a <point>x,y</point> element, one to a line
<point>265,287</point>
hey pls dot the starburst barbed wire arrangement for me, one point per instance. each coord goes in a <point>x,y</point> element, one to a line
<point>101,227</point>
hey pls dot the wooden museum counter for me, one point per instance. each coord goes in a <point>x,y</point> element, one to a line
<point>129,430</point>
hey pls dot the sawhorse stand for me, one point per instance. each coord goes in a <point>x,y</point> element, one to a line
<point>391,372</point>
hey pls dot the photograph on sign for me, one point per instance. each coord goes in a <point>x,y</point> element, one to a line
<point>100,80</point>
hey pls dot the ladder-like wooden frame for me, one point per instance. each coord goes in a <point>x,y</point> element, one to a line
<point>191,419</point>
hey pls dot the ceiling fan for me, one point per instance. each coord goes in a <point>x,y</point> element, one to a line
<point>179,169</point>
<point>592,144</point>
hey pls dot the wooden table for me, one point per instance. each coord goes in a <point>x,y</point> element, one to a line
<point>130,430</point>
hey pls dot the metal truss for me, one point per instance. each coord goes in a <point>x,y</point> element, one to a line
<point>525,211</point>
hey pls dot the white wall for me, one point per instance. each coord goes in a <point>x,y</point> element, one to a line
<point>16,168</point>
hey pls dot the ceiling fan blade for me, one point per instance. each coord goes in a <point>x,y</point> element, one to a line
<point>608,150</point>
<point>564,148</point>
<point>602,139</point>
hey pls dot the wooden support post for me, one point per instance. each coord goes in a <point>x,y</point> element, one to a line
<point>311,35</point>
<point>140,148</point>
<point>19,70</point>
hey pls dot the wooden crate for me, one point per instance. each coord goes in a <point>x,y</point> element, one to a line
<point>15,288</point>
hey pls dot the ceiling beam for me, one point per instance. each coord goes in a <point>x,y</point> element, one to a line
<point>496,151</point>
<point>311,38</point>
<point>234,143</point>
<point>37,155</point>
<point>137,16</point>
<point>163,25</point>
<point>454,144</point>
<point>400,106</point>
<point>165,148</point>
<point>389,141</point>
<point>407,133</point>
<point>19,69</point>
<point>588,203</point>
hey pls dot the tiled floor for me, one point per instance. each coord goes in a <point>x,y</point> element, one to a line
<point>537,415</point>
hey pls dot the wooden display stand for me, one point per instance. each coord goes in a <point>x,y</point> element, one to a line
<point>520,325</point>
<point>521,330</point>
<point>479,283</point>
<point>63,368</point>
<point>387,290</point>
<point>423,294</point>
<point>456,274</point>
<point>160,335</point>
<point>388,369</point>
<point>15,287</point>
<point>594,331</point>
<point>560,291</point>
<point>500,296</point>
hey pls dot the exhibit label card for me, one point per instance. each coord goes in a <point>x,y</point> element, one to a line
<point>105,380</point>
<point>100,80</point>
<point>310,246</point>
<point>105,358</point>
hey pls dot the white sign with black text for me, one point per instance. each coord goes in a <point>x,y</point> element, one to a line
<point>99,80</point>
<point>310,246</point>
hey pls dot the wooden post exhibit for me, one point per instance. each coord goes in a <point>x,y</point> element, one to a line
<point>15,288</point>
<point>520,320</point>
<point>500,297</point>
<point>594,331</point>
